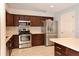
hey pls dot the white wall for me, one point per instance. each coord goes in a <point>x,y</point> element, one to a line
<point>74,9</point>
<point>2,29</point>
<point>77,23</point>
<point>67,25</point>
<point>0,35</point>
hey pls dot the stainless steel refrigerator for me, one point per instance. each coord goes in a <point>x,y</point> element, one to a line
<point>50,31</point>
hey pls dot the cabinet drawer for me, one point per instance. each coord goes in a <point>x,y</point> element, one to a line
<point>64,51</point>
<point>60,48</point>
<point>71,52</point>
<point>16,41</point>
<point>57,53</point>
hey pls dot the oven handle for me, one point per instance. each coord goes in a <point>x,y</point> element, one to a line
<point>20,38</point>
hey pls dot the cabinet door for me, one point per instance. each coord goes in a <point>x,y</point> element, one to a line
<point>60,50</point>
<point>27,17</point>
<point>67,25</point>
<point>9,19</point>
<point>16,41</point>
<point>37,39</point>
<point>36,21</point>
<point>71,52</point>
<point>16,19</point>
<point>9,46</point>
<point>45,18</point>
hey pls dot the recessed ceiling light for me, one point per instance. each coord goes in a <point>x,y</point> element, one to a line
<point>51,6</point>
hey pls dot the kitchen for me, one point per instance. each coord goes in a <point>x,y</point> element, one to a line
<point>30,27</point>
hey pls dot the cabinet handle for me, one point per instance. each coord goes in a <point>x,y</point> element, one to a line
<point>58,53</point>
<point>58,47</point>
<point>10,44</point>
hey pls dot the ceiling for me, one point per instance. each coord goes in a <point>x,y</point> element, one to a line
<point>42,7</point>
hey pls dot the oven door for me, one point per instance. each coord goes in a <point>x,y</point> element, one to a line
<point>24,37</point>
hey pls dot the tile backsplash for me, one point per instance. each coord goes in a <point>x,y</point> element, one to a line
<point>11,30</point>
<point>14,30</point>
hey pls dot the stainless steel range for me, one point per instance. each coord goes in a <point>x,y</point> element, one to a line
<point>24,34</point>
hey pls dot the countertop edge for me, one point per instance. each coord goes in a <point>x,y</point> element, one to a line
<point>73,48</point>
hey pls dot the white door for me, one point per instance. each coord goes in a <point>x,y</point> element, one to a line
<point>67,25</point>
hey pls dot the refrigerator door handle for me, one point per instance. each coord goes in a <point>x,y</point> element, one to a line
<point>48,28</point>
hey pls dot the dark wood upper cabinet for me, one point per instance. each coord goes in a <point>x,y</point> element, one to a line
<point>45,18</point>
<point>20,17</point>
<point>49,18</point>
<point>12,19</point>
<point>36,21</point>
<point>9,19</point>
<point>16,19</point>
<point>27,17</point>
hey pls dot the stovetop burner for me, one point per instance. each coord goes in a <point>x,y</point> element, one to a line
<point>24,32</point>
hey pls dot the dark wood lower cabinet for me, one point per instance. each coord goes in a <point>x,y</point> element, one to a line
<point>64,51</point>
<point>8,49</point>
<point>11,44</point>
<point>37,39</point>
<point>16,41</point>
<point>71,52</point>
<point>57,53</point>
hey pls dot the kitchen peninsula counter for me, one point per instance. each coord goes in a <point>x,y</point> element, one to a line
<point>72,43</point>
<point>66,46</point>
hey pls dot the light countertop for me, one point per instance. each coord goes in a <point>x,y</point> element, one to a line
<point>72,43</point>
<point>36,32</point>
<point>8,37</point>
<point>10,31</point>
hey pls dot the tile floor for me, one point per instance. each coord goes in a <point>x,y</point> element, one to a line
<point>34,51</point>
